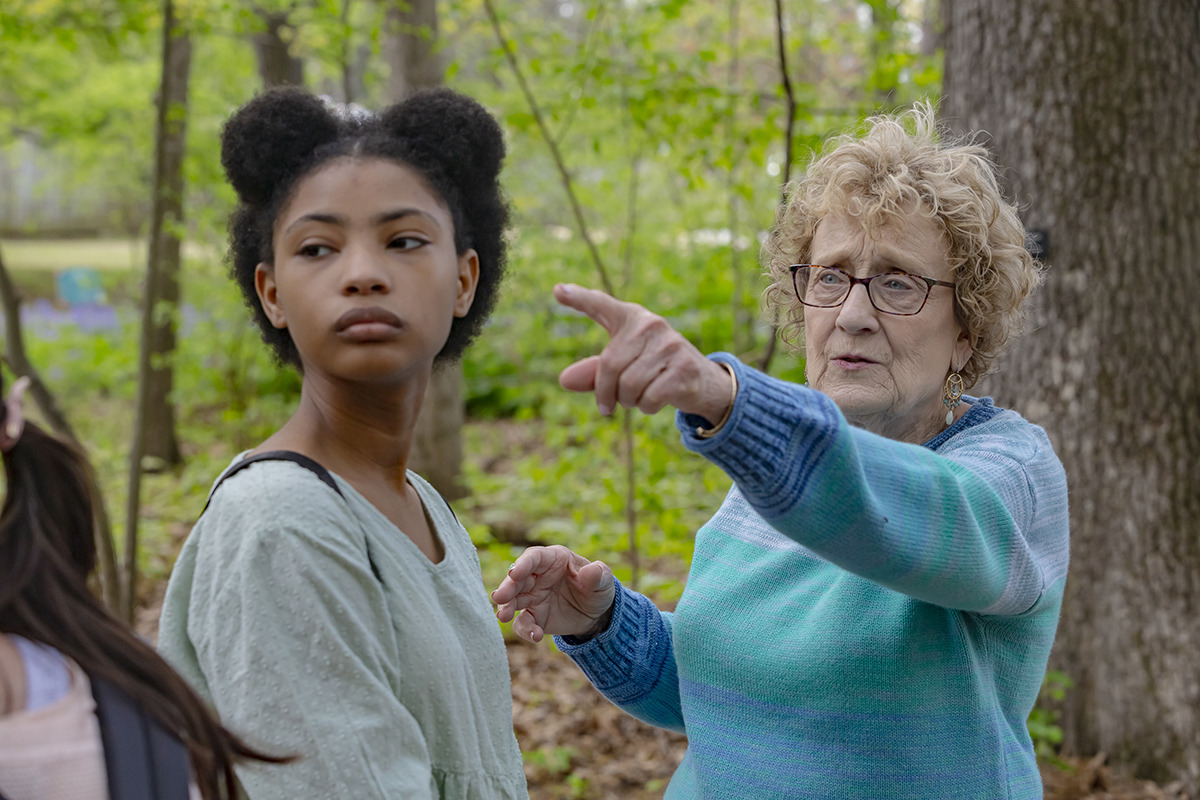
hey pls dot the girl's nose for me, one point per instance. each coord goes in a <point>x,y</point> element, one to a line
<point>363,273</point>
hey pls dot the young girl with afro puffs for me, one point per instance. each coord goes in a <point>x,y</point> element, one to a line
<point>327,602</point>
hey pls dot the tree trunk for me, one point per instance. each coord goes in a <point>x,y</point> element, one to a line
<point>276,64</point>
<point>1093,108</point>
<point>154,417</point>
<point>410,48</point>
<point>162,271</point>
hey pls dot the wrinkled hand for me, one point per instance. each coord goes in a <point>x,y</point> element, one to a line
<point>647,364</point>
<point>557,591</point>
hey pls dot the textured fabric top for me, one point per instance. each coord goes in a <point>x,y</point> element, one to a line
<point>316,627</point>
<point>863,618</point>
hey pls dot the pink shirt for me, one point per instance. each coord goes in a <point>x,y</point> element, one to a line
<point>51,749</point>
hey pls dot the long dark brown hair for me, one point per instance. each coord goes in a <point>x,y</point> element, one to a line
<point>47,552</point>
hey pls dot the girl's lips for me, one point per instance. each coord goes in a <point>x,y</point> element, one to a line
<point>368,324</point>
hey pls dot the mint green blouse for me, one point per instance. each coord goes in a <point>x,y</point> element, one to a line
<point>314,626</point>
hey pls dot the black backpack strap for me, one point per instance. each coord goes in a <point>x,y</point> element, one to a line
<point>143,760</point>
<point>298,458</point>
<point>278,455</point>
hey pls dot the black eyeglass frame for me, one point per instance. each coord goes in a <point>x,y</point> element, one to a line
<point>866,282</point>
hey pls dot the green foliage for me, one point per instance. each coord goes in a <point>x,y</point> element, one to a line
<point>511,373</point>
<point>555,763</point>
<point>1043,720</point>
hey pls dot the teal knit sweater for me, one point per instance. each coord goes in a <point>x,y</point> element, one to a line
<point>863,618</point>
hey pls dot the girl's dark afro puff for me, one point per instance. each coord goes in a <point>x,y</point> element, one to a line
<point>469,140</point>
<point>271,137</point>
<point>449,139</point>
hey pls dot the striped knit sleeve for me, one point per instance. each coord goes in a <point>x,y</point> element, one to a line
<point>633,662</point>
<point>980,526</point>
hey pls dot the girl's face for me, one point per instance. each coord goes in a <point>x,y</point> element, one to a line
<point>366,278</point>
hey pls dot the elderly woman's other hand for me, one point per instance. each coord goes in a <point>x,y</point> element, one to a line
<point>560,593</point>
<point>647,364</point>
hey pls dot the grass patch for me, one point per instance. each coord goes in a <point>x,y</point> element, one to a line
<point>57,254</point>
<point>121,263</point>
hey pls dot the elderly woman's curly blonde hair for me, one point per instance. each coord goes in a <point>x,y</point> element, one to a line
<point>899,163</point>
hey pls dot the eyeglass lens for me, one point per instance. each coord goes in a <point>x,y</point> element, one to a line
<point>891,292</point>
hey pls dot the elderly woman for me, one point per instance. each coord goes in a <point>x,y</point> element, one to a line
<point>870,611</point>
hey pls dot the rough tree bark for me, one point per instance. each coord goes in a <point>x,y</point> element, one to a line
<point>410,48</point>
<point>153,414</point>
<point>1093,106</point>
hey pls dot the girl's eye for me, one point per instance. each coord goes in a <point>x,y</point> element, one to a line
<point>406,243</point>
<point>315,250</point>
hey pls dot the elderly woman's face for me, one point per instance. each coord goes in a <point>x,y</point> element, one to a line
<point>885,372</point>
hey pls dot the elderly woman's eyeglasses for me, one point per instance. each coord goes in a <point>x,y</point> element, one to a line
<point>890,292</point>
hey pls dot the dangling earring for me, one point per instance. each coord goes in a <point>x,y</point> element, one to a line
<point>952,394</point>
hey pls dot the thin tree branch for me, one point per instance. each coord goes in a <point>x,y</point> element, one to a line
<point>635,561</point>
<point>627,422</point>
<point>731,141</point>
<point>589,52</point>
<point>162,266</point>
<point>564,175</point>
<point>764,363</point>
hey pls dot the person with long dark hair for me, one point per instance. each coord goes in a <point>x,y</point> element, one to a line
<point>87,709</point>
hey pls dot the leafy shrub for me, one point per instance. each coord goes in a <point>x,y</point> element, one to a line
<point>1043,720</point>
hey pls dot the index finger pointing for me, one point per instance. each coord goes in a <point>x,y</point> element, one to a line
<point>602,308</point>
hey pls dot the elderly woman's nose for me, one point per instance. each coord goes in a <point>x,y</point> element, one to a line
<point>857,312</point>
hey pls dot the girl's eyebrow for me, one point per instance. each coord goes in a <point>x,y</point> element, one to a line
<point>401,213</point>
<point>328,219</point>
<point>379,219</point>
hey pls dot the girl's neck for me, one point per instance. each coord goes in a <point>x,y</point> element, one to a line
<point>352,429</point>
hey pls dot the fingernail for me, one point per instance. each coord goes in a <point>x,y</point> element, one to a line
<point>566,288</point>
<point>605,410</point>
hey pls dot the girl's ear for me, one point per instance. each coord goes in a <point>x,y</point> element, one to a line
<point>468,279</point>
<point>268,294</point>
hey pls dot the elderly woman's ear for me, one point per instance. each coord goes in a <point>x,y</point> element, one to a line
<point>963,349</point>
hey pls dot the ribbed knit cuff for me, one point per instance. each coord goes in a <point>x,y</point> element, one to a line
<point>776,432</point>
<point>625,661</point>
